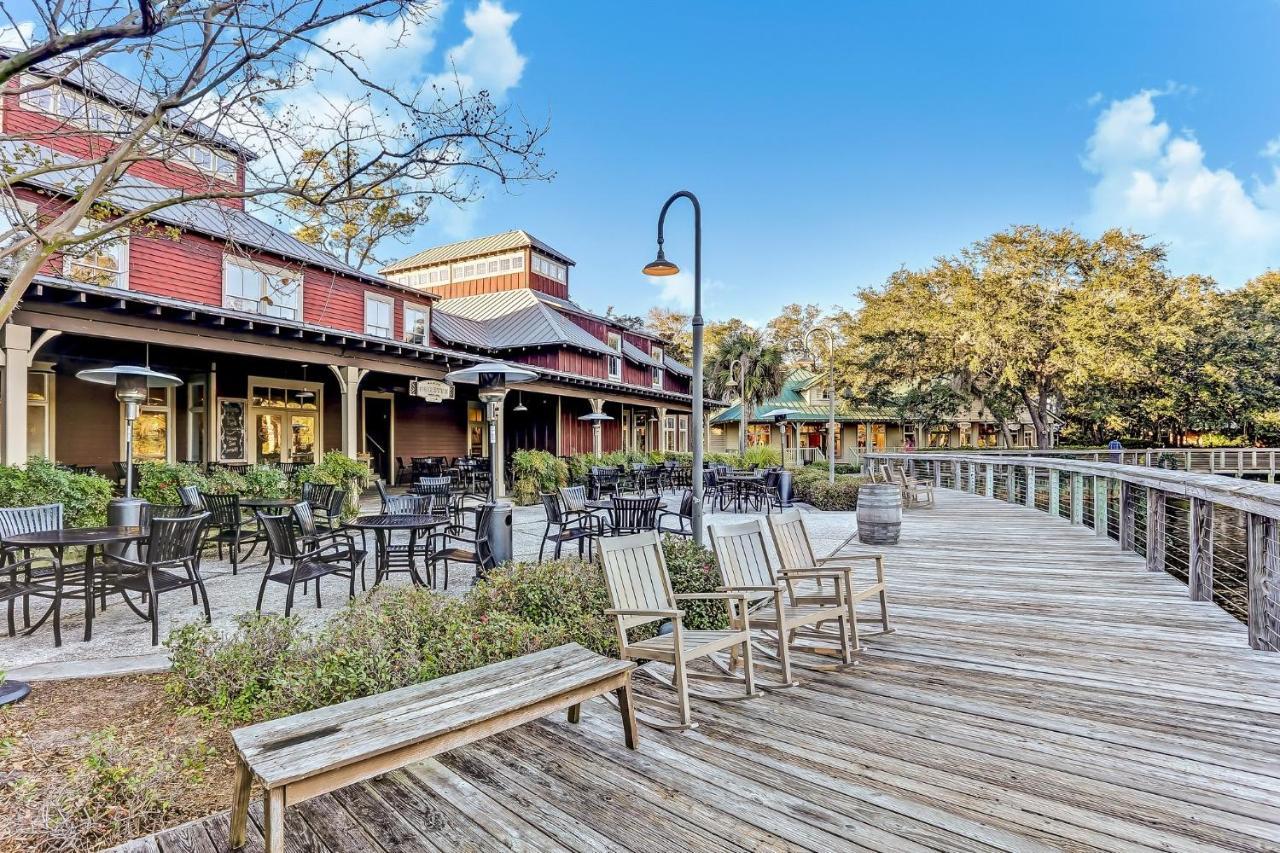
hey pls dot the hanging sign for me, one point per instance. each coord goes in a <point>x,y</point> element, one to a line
<point>431,390</point>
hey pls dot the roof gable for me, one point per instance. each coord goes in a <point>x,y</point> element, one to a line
<point>504,242</point>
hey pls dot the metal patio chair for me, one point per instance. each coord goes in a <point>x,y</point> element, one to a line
<point>168,559</point>
<point>302,562</point>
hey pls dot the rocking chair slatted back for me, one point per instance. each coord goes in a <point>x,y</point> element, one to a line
<point>744,560</point>
<point>636,573</point>
<point>791,537</point>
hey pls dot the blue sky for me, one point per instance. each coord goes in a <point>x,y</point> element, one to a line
<point>832,143</point>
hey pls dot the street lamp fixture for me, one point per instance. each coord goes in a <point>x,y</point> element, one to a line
<point>807,346</point>
<point>493,379</point>
<point>740,363</point>
<point>131,383</point>
<point>660,266</point>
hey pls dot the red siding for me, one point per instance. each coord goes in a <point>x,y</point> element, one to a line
<point>41,129</point>
<point>430,429</point>
<point>549,285</point>
<point>477,286</point>
<point>575,435</point>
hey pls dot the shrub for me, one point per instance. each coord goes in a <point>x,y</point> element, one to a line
<point>537,471</point>
<point>270,667</point>
<point>762,456</point>
<point>338,469</point>
<point>158,482</point>
<point>84,497</point>
<point>223,482</point>
<point>264,481</point>
<point>842,495</point>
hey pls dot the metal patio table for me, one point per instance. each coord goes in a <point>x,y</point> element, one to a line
<point>383,526</point>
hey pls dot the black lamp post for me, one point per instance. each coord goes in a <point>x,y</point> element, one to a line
<point>660,266</point>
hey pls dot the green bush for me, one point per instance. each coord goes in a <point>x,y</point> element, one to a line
<point>536,471</point>
<point>269,666</point>
<point>158,482</point>
<point>338,469</point>
<point>223,482</point>
<point>811,487</point>
<point>762,456</point>
<point>84,497</point>
<point>264,481</point>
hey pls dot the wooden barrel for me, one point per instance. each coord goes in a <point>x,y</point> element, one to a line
<point>879,514</point>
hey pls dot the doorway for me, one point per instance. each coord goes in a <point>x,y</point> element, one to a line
<point>378,413</point>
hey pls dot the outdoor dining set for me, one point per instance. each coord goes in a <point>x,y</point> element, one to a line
<point>303,539</point>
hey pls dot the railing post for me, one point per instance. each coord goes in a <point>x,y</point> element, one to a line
<point>1157,516</point>
<point>1031,487</point>
<point>1055,495</point>
<point>937,473</point>
<point>1077,498</point>
<point>989,476</point>
<point>1010,484</point>
<point>1200,558</point>
<point>1100,508</point>
<point>1263,562</point>
<point>1125,522</point>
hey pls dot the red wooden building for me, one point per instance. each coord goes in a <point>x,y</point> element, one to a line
<point>284,350</point>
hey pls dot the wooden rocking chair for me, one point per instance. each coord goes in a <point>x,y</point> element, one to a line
<point>791,538</point>
<point>746,567</point>
<point>640,593</point>
<point>914,492</point>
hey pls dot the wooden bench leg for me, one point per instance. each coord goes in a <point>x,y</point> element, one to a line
<point>240,803</point>
<point>273,820</point>
<point>628,709</point>
<point>575,713</point>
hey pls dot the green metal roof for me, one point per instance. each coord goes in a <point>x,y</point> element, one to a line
<point>793,397</point>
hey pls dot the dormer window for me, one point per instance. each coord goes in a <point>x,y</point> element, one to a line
<point>259,288</point>
<point>615,361</point>
<point>379,312</point>
<point>658,359</point>
<point>548,268</point>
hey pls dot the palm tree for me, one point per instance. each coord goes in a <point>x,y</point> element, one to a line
<point>758,375</point>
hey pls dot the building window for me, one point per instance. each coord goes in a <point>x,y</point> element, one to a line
<point>758,435</point>
<point>615,361</point>
<point>151,431</point>
<point>211,162</point>
<point>477,430</point>
<point>40,414</point>
<point>378,314</point>
<point>197,406</point>
<point>285,419</point>
<point>417,324</point>
<point>481,267</point>
<point>17,219</point>
<point>657,355</point>
<point>683,423</point>
<point>550,269</point>
<point>104,262</point>
<point>261,289</point>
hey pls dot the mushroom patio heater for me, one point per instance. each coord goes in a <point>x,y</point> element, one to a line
<point>595,419</point>
<point>131,383</point>
<point>493,377</point>
<point>779,417</point>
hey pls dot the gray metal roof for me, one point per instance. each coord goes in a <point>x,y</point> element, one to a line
<point>503,242</point>
<point>676,367</point>
<point>509,319</point>
<point>129,95</point>
<point>636,355</point>
<point>207,217</point>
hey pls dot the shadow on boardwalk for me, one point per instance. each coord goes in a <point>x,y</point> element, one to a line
<point>1042,692</point>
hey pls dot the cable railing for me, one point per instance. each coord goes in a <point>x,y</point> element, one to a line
<point>1258,462</point>
<point>1218,535</point>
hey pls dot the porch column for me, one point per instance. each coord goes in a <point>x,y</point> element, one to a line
<point>597,405</point>
<point>349,379</point>
<point>17,357</point>
<point>662,430</point>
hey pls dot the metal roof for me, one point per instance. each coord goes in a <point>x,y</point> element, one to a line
<point>503,242</point>
<point>676,367</point>
<point>207,217</point>
<point>793,397</point>
<point>636,355</point>
<point>119,90</point>
<point>509,319</point>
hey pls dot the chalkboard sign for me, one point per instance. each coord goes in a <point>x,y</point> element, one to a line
<point>231,437</point>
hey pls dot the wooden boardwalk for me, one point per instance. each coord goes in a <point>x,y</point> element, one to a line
<point>1042,692</point>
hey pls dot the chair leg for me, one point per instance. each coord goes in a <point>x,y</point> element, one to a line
<point>288,599</point>
<point>318,593</point>
<point>153,606</point>
<point>681,682</point>
<point>262,588</point>
<point>542,547</point>
<point>748,671</point>
<point>846,649</point>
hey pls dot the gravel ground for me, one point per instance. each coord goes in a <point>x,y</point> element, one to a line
<point>121,642</point>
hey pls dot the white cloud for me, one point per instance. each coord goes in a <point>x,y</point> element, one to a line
<point>1156,182</point>
<point>489,58</point>
<point>17,37</point>
<point>675,290</point>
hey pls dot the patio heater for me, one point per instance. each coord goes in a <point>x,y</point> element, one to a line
<point>595,419</point>
<point>779,417</point>
<point>493,377</point>
<point>131,383</point>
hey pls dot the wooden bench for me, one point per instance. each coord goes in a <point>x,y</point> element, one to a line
<point>309,754</point>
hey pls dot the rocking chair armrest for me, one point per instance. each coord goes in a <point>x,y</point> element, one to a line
<point>731,596</point>
<point>730,590</point>
<point>835,574</point>
<point>668,614</point>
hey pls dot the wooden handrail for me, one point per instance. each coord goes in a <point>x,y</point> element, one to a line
<point>990,472</point>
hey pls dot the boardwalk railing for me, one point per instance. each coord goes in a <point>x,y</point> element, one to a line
<point>1231,461</point>
<point>1219,535</point>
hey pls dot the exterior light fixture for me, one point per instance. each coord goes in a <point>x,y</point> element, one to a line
<point>660,266</point>
<point>493,379</point>
<point>520,406</point>
<point>595,419</point>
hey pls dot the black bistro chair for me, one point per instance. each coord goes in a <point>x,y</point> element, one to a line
<point>570,526</point>
<point>633,515</point>
<point>168,559</point>
<point>320,496</point>
<point>23,577</point>
<point>679,523</point>
<point>458,544</point>
<point>399,555</point>
<point>302,561</point>
<point>190,496</point>
<point>604,480</point>
<point>226,525</point>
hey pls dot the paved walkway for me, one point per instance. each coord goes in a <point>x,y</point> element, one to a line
<point>1042,692</point>
<point>122,643</point>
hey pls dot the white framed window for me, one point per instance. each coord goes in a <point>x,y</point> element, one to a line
<point>261,289</point>
<point>417,324</point>
<point>657,356</point>
<point>212,162</point>
<point>153,437</point>
<point>615,361</point>
<point>104,262</point>
<point>40,419</point>
<point>550,269</point>
<point>379,312</point>
<point>197,419</point>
